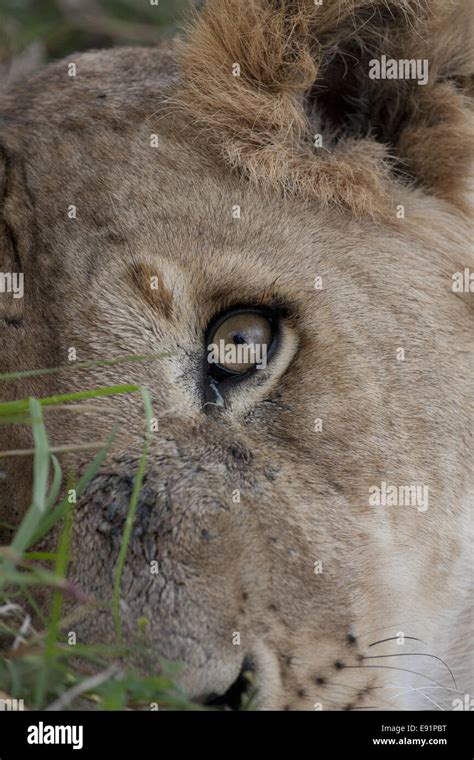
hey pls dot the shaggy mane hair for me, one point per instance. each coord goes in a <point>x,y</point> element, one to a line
<point>304,71</point>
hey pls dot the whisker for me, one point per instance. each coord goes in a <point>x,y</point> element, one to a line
<point>394,638</point>
<point>330,702</point>
<point>414,654</point>
<point>392,667</point>
<point>335,685</point>
<point>346,686</point>
<point>386,627</point>
<point>424,695</point>
<point>418,688</point>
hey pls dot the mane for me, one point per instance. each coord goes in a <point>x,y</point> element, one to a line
<point>304,72</point>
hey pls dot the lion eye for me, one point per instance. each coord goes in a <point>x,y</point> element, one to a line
<point>238,342</point>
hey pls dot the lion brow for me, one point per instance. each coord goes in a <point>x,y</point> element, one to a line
<point>148,282</point>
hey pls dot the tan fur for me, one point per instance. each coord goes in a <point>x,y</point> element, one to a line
<point>248,566</point>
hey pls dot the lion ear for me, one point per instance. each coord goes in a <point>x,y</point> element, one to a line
<point>335,100</point>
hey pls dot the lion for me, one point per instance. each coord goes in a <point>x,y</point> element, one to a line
<point>279,176</point>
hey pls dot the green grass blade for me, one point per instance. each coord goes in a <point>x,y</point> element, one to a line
<point>56,484</point>
<point>41,458</point>
<point>21,406</point>
<point>129,359</point>
<point>52,518</point>
<point>62,562</point>
<point>131,518</point>
<point>35,513</point>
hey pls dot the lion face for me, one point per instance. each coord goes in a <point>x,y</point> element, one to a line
<point>300,518</point>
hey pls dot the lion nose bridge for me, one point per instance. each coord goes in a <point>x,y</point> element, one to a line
<point>110,499</point>
<point>193,477</point>
<point>173,494</point>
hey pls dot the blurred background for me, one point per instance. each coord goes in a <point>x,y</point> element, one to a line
<point>33,32</point>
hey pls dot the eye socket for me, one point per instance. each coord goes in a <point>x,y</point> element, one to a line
<point>239,342</point>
